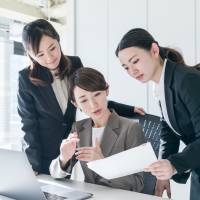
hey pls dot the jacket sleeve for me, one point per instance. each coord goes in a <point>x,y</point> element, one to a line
<point>28,114</point>
<point>75,62</point>
<point>132,182</point>
<point>55,167</point>
<point>169,142</point>
<point>57,172</point>
<point>187,159</point>
<point>169,145</point>
<point>78,63</point>
<point>122,109</point>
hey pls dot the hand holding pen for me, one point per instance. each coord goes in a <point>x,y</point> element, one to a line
<point>68,148</point>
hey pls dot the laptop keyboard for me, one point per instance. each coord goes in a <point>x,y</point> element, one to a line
<point>50,196</point>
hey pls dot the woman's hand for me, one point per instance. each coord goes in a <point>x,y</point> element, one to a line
<point>68,148</point>
<point>139,110</point>
<point>89,153</point>
<point>161,186</point>
<point>36,173</point>
<point>162,169</point>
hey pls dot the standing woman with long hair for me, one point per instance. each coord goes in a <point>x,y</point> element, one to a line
<point>177,88</point>
<point>47,114</point>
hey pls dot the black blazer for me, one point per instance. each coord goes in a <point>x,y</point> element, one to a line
<point>183,107</point>
<point>43,122</point>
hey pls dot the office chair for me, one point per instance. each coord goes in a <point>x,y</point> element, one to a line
<point>151,126</point>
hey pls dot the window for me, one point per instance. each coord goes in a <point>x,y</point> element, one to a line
<point>12,60</point>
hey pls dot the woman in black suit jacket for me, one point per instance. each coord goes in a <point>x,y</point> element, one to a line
<point>43,105</point>
<point>179,97</point>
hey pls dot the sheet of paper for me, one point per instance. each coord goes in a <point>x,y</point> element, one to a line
<point>124,163</point>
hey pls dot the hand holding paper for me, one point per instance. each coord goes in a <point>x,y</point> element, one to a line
<point>124,163</point>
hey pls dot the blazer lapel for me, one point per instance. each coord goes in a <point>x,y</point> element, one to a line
<point>85,134</point>
<point>47,93</point>
<point>169,76</point>
<point>110,135</point>
<point>108,140</point>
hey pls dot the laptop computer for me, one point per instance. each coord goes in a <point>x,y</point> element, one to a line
<point>17,180</point>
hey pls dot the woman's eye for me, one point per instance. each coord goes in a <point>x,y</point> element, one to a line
<point>83,101</point>
<point>135,61</point>
<point>53,48</point>
<point>39,55</point>
<point>126,68</point>
<point>97,94</point>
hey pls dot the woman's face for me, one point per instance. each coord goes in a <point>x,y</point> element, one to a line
<point>93,104</point>
<point>49,53</point>
<point>140,64</point>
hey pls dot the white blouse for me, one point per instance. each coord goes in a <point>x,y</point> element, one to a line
<point>160,96</point>
<point>60,90</point>
<point>97,133</point>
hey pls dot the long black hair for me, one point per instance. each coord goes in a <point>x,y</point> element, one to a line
<point>31,37</point>
<point>141,38</point>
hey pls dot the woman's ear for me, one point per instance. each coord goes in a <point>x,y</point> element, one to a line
<point>74,103</point>
<point>155,49</point>
<point>107,90</point>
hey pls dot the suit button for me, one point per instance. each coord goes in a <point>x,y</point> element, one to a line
<point>64,124</point>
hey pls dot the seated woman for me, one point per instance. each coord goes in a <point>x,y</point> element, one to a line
<point>103,134</point>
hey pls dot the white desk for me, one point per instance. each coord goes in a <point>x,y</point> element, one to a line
<point>99,192</point>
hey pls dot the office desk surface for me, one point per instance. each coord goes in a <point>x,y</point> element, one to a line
<point>99,192</point>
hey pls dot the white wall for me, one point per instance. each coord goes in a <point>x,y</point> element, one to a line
<point>91,33</point>
<point>122,87</point>
<point>172,23</point>
<point>97,34</point>
<point>99,25</point>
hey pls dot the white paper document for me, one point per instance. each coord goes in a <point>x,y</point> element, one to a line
<point>124,163</point>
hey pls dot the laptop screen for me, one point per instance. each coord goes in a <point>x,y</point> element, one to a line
<point>17,179</point>
<point>19,182</point>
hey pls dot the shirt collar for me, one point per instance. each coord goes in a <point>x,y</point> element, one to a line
<point>159,86</point>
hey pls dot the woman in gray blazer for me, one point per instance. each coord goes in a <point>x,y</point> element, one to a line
<point>103,134</point>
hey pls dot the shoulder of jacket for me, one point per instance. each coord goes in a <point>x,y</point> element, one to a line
<point>73,58</point>
<point>24,81</point>
<point>24,72</point>
<point>78,125</point>
<point>128,124</point>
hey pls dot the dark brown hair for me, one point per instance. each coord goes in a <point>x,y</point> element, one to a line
<point>31,37</point>
<point>87,79</point>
